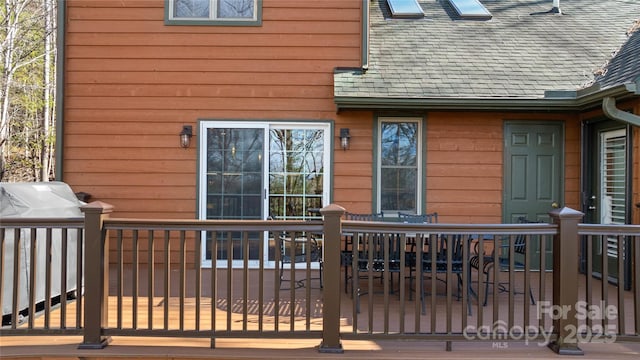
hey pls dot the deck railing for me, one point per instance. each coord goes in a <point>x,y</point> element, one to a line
<point>145,278</point>
<point>41,259</point>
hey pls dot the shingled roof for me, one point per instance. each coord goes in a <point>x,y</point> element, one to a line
<point>522,52</point>
<point>624,67</point>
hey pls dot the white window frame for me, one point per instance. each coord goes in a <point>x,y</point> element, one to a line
<point>213,19</point>
<point>419,165</point>
<point>608,181</point>
<point>266,125</point>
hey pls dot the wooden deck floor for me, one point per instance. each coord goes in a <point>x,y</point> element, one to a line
<point>65,347</point>
<point>42,348</point>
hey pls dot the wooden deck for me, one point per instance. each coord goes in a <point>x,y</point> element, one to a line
<point>178,348</point>
<point>65,347</point>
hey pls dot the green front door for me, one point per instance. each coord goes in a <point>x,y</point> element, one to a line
<point>533,175</point>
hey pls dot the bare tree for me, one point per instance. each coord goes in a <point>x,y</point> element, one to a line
<point>49,91</point>
<point>27,45</point>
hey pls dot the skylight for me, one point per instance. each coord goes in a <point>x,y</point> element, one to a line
<point>405,8</point>
<point>470,9</point>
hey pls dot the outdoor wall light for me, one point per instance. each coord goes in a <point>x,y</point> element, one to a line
<point>344,138</point>
<point>185,136</point>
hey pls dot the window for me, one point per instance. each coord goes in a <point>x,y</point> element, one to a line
<point>399,165</point>
<point>471,9</point>
<point>214,12</point>
<point>405,8</point>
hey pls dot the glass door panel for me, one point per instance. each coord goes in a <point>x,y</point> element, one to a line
<point>296,172</point>
<point>234,186</point>
<point>613,176</point>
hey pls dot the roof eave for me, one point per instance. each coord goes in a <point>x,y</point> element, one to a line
<point>552,101</point>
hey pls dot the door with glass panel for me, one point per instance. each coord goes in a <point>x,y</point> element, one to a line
<point>253,170</point>
<point>607,195</point>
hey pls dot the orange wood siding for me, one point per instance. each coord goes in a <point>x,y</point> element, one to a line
<point>131,83</point>
<point>464,163</point>
<point>572,162</point>
<point>353,168</point>
<point>464,166</point>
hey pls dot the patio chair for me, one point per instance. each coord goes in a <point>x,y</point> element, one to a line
<point>520,249</point>
<point>299,250</point>
<point>418,218</point>
<point>346,258</point>
<point>409,218</point>
<point>435,257</point>
<point>370,250</point>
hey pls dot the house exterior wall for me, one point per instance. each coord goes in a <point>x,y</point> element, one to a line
<point>353,170</point>
<point>464,165</point>
<point>131,83</point>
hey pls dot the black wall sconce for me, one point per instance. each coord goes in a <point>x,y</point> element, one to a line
<point>185,136</point>
<point>344,138</point>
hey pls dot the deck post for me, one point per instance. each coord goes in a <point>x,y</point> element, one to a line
<point>96,268</point>
<point>331,343</point>
<point>565,286</point>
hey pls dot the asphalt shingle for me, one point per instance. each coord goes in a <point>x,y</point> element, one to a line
<point>521,52</point>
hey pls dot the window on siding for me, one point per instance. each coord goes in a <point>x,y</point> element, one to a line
<point>214,12</point>
<point>399,165</point>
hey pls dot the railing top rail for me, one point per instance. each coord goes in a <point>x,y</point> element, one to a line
<point>608,229</point>
<point>214,225</point>
<point>42,222</point>
<point>443,228</point>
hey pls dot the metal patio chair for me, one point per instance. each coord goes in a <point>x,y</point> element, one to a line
<point>299,250</point>
<point>438,250</point>
<point>520,250</point>
<point>418,218</point>
<point>346,258</point>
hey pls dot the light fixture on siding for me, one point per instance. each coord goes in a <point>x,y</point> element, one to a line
<point>185,136</point>
<point>344,138</point>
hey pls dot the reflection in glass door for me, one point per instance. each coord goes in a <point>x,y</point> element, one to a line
<point>259,171</point>
<point>234,185</point>
<point>296,172</point>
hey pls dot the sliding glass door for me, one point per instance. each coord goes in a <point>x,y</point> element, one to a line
<point>255,170</point>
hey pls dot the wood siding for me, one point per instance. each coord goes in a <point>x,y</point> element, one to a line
<point>464,173</point>
<point>131,82</point>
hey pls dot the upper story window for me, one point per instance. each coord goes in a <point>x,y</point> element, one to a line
<point>214,12</point>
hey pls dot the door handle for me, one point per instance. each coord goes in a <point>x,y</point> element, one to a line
<point>555,205</point>
<point>592,207</point>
